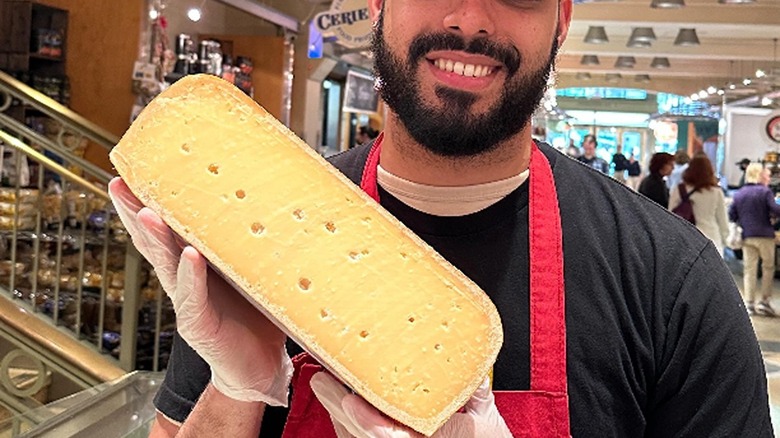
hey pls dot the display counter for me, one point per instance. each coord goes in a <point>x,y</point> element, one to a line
<point>122,408</point>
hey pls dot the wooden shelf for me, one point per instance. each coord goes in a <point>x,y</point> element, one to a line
<point>46,57</point>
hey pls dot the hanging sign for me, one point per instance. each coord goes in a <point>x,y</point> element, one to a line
<point>773,128</point>
<point>349,21</point>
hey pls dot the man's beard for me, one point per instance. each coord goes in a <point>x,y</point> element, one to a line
<point>452,130</point>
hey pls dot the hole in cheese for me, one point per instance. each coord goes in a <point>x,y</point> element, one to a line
<point>257,228</point>
<point>299,214</point>
<point>324,314</point>
<point>240,194</point>
<point>411,319</point>
<point>364,334</point>
<point>437,347</point>
<point>213,169</point>
<point>330,226</point>
<point>185,148</point>
<point>304,283</point>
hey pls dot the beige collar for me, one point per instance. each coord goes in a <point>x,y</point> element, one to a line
<point>448,201</point>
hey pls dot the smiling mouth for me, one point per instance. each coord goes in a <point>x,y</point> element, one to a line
<point>465,70</point>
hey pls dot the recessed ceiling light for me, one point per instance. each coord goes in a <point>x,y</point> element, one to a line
<point>686,37</point>
<point>589,60</point>
<point>666,4</point>
<point>660,62</point>
<point>596,35</point>
<point>194,14</point>
<point>625,62</point>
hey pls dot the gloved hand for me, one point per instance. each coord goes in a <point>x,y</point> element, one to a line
<point>245,351</point>
<point>354,417</point>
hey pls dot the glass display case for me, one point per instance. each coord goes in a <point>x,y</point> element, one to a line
<point>122,408</point>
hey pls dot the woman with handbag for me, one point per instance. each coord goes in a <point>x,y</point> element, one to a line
<point>709,204</point>
<point>753,206</point>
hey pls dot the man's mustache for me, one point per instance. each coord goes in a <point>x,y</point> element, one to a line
<point>507,55</point>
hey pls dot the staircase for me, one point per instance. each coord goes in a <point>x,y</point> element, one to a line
<point>78,305</point>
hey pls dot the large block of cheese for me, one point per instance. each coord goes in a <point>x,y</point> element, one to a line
<point>370,300</point>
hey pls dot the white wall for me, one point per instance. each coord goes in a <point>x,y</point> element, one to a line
<point>746,138</point>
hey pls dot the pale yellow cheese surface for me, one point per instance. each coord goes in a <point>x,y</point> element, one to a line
<point>385,313</point>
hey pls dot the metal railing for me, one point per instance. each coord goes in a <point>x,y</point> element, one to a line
<point>63,251</point>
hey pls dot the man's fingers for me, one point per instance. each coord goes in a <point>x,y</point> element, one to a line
<point>126,204</point>
<point>159,247</point>
<point>331,393</point>
<point>482,400</point>
<point>374,424</point>
<point>192,300</point>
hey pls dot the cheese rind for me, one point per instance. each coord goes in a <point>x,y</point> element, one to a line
<point>369,299</point>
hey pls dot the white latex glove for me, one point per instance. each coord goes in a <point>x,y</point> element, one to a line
<point>245,351</point>
<point>354,417</point>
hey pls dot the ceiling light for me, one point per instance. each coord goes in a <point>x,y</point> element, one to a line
<point>665,4</point>
<point>686,37</point>
<point>746,82</point>
<point>596,35</point>
<point>694,97</point>
<point>760,73</point>
<point>194,14</point>
<point>589,60</point>
<point>721,92</point>
<point>643,34</point>
<point>625,62</point>
<point>703,94</point>
<point>735,2</point>
<point>613,77</point>
<point>154,14</point>
<point>638,44</point>
<point>583,76</point>
<point>732,86</point>
<point>765,101</point>
<point>712,90</point>
<point>660,62</point>
<point>642,78</point>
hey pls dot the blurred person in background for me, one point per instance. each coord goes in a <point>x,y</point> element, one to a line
<point>621,164</point>
<point>365,134</point>
<point>681,160</point>
<point>709,204</point>
<point>634,171</point>
<point>589,156</point>
<point>753,207</point>
<point>654,186</point>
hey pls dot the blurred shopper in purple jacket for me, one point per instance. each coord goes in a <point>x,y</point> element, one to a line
<point>753,206</point>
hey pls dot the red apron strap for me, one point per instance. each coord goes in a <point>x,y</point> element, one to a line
<point>368,182</point>
<point>548,316</point>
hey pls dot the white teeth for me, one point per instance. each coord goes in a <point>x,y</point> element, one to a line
<point>468,70</point>
<point>458,68</point>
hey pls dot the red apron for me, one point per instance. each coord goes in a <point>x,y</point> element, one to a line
<point>542,411</point>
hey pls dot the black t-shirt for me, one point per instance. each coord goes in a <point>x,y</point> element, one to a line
<point>658,340</point>
<point>620,161</point>
<point>654,187</point>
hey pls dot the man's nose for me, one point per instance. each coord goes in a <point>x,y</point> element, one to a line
<point>470,18</point>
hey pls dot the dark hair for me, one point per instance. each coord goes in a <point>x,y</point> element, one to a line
<point>659,160</point>
<point>699,173</point>
<point>590,137</point>
<point>369,131</point>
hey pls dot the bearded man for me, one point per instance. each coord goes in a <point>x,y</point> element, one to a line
<point>618,319</point>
